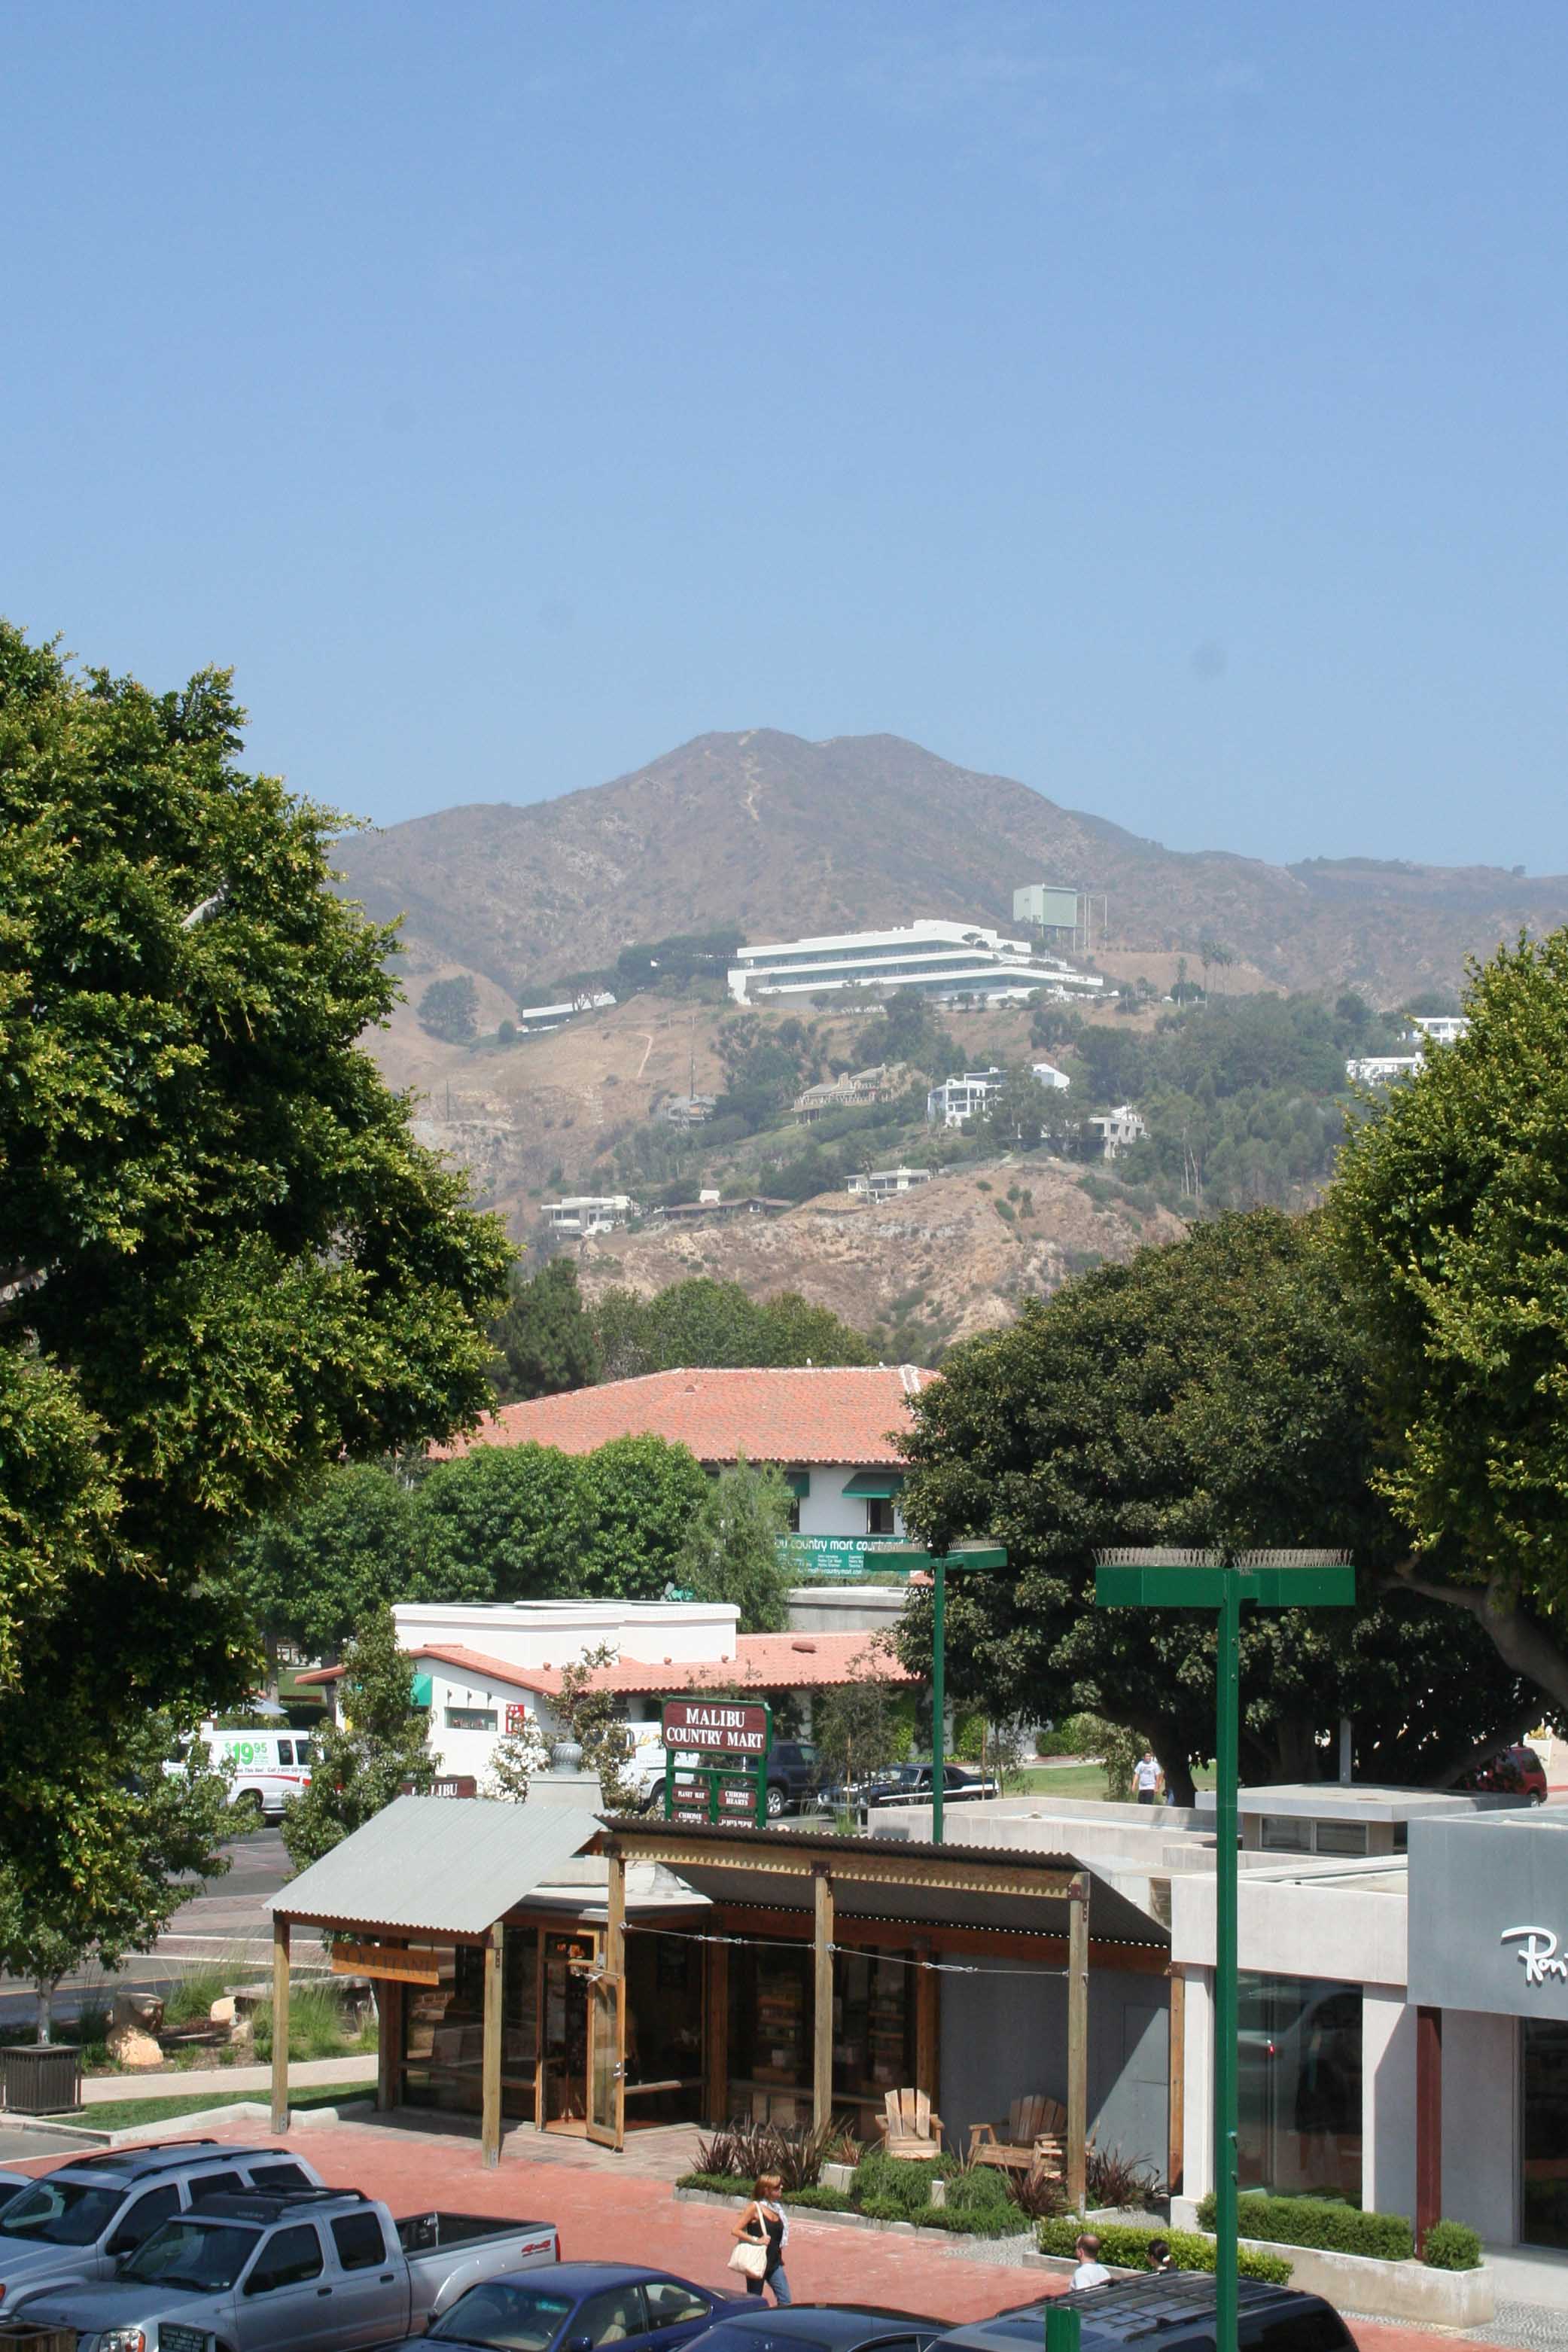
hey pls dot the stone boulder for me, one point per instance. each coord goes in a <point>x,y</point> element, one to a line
<point>129,2046</point>
<point>222,2011</point>
<point>142,2009</point>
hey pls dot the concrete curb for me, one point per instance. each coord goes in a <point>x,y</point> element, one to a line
<point>245,2111</point>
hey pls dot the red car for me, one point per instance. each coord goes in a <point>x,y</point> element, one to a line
<point>1513,1772</point>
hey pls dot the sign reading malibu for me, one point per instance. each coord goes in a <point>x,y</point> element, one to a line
<point>733,1737</point>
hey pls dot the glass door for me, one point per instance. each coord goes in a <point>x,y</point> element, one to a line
<point>1544,2218</point>
<point>568,1962</point>
<point>607,2060</point>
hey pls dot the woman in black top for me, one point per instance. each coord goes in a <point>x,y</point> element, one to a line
<point>765,2221</point>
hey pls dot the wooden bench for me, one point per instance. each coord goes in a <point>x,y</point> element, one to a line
<point>911,2127</point>
<point>1031,2139</point>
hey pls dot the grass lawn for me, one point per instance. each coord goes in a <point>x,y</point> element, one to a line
<point>1073,1781</point>
<point>124,2115</point>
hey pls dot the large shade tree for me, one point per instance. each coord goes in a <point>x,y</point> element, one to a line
<point>1450,1221</point>
<point>1211,1392</point>
<point>226,1260</point>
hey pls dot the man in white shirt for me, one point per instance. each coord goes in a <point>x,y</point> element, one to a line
<point>1091,2271</point>
<point>1147,1776</point>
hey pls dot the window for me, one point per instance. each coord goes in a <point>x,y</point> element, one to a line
<point>144,2218</point>
<point>671,2304</point>
<point>1342,1837</point>
<point>290,2258</point>
<point>879,1516</point>
<point>278,2176</point>
<point>470,1718</point>
<point>1544,2184</point>
<point>610,2317</point>
<point>358,2237</point>
<point>286,1752</point>
<point>1299,2063</point>
<point>215,2184</point>
<point>1282,1834</point>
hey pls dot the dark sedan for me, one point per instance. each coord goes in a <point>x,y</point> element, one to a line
<point>577,2306</point>
<point>822,2327</point>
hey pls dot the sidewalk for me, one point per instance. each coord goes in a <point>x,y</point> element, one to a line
<point>224,2082</point>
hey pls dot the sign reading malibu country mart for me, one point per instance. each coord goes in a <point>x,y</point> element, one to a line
<point>721,1727</point>
<point>732,1738</point>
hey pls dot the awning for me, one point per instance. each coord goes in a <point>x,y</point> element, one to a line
<point>799,1483</point>
<point>438,1864</point>
<point>876,1486</point>
<point>419,1689</point>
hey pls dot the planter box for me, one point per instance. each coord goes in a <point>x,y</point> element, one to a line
<point>1383,2289</point>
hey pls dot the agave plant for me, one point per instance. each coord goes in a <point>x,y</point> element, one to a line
<point>1038,2194</point>
<point>795,2152</point>
<point>1112,2179</point>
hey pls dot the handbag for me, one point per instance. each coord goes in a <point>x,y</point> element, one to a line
<point>750,2255</point>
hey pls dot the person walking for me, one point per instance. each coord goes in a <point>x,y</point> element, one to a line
<point>1147,1778</point>
<point>764,2225</point>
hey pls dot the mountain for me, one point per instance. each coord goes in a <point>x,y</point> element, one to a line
<point>781,836</point>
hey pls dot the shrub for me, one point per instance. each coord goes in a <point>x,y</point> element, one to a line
<point>744,2150</point>
<point>820,2200</point>
<point>1317,2221</point>
<point>191,1998</point>
<point>892,2180</point>
<point>980,2189</point>
<point>1451,2246</point>
<point>1125,2246</point>
<point>1113,2178</point>
<point>1038,2194</point>
<point>318,2027</point>
<point>883,2209</point>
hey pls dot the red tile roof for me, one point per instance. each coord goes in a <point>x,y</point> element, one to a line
<point>763,1661</point>
<point>828,1414</point>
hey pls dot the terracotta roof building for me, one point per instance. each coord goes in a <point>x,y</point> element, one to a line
<point>811,1413</point>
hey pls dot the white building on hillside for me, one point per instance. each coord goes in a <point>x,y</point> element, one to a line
<point>1118,1128</point>
<point>1441,1028</point>
<point>957,1100</point>
<point>1381,1069</point>
<point>534,1020</point>
<point>588,1212</point>
<point>1046,1074</point>
<point>944,959</point>
<point>881,1183</point>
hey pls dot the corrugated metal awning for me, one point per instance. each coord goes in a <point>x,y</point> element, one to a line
<point>439,1865</point>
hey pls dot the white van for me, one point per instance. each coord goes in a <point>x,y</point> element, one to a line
<point>269,1766</point>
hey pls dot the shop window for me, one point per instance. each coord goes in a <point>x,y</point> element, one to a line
<point>443,2032</point>
<point>1342,1837</point>
<point>879,1514</point>
<point>1544,2198</point>
<point>770,2033</point>
<point>470,1718</point>
<point>1299,2090</point>
<point>874,2027</point>
<point>1284,1834</point>
<point>664,2029</point>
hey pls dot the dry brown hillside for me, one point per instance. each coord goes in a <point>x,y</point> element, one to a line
<point>946,1254</point>
<point>780,836</point>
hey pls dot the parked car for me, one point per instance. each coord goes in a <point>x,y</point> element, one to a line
<point>1516,1771</point>
<point>1176,2306</point>
<point>79,2220</point>
<point>317,2270</point>
<point>577,2306</point>
<point>794,1774</point>
<point>823,2327</point>
<point>12,2185</point>
<point>912,1784</point>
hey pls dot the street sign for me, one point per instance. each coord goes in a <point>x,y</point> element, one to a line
<point>717,1727</point>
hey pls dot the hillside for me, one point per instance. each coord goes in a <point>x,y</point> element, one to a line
<point>781,836</point>
<point>933,1265</point>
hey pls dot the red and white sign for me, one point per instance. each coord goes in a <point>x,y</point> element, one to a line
<point>715,1726</point>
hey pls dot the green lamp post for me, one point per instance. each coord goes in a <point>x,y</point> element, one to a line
<point>1223,1582</point>
<point>910,1560</point>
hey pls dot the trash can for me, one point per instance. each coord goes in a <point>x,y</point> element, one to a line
<point>40,2078</point>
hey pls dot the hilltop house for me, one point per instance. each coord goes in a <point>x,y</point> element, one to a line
<point>937,959</point>
<point>1119,1127</point>
<point>881,1183</point>
<point>959,1100</point>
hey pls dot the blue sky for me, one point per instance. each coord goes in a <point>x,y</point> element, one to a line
<point>1164,404</point>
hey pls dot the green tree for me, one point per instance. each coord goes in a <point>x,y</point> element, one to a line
<point>1210,1393</point>
<point>503,1523</point>
<point>1450,1219</point>
<point>378,1747</point>
<point>353,1545</point>
<point>716,1324</point>
<point>544,1337</point>
<point>1019,1112</point>
<point>731,1548</point>
<point>449,1009</point>
<point>859,1726</point>
<point>155,1830</point>
<point>641,1494</point>
<point>227,1262</point>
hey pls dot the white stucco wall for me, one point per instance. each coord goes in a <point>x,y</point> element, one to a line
<point>555,1632</point>
<point>827,1510</point>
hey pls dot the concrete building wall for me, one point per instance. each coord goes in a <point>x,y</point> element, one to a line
<point>846,1608</point>
<point>1481,2123</point>
<point>1387,2100</point>
<point>1004,2034</point>
<point>554,1633</point>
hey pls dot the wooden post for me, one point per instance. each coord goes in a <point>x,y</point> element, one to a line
<point>390,1997</point>
<point>822,2021</point>
<point>1077,2041</point>
<point>615,1913</point>
<point>1177,2108</point>
<point>279,2023</point>
<point>715,2089</point>
<point>1428,2122</point>
<point>927,2028</point>
<point>490,2049</point>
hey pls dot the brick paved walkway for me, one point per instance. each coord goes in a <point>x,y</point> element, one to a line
<point>621,2209</point>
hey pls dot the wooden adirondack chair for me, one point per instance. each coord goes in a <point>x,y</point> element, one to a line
<point>1031,2139</point>
<point>911,2127</point>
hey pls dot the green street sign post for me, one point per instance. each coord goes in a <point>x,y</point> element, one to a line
<point>1223,1582</point>
<point>907,1560</point>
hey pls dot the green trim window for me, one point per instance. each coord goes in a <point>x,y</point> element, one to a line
<point>418,1690</point>
<point>799,1483</point>
<point>876,1486</point>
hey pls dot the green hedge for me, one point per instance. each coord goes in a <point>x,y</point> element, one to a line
<point>895,2179</point>
<point>1125,2246</point>
<point>730,2184</point>
<point>822,2200</point>
<point>1317,2221</point>
<point>1451,2246</point>
<point>982,2190</point>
